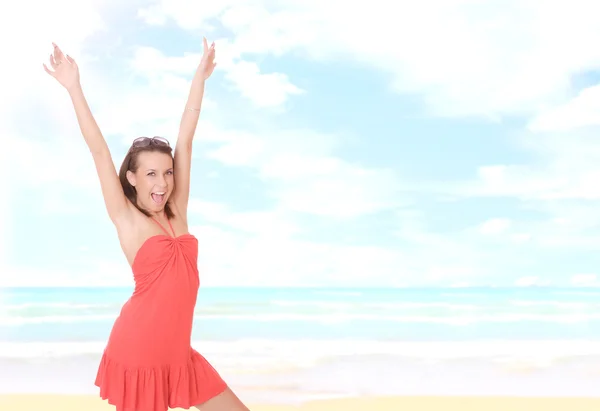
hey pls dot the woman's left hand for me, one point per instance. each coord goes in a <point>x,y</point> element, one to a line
<point>207,64</point>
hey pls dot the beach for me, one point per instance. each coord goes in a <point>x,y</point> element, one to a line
<point>90,403</point>
<point>317,349</point>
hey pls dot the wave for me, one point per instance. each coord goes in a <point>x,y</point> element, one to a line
<point>589,292</point>
<point>32,308</point>
<point>276,353</point>
<point>556,304</point>
<point>31,312</point>
<point>335,318</point>
<point>369,305</point>
<point>342,293</point>
<point>448,319</point>
<point>62,319</point>
<point>22,306</point>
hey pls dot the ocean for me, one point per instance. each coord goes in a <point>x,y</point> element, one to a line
<point>303,343</point>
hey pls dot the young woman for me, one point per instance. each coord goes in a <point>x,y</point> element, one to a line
<point>148,363</point>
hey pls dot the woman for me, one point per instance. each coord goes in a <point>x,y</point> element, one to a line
<point>148,363</point>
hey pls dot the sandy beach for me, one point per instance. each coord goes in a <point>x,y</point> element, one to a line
<point>91,403</point>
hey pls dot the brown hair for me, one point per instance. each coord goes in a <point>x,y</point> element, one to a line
<point>130,163</point>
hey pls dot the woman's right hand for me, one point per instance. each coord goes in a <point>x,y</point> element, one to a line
<point>64,69</point>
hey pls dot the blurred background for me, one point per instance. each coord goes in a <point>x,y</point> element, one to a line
<point>390,199</point>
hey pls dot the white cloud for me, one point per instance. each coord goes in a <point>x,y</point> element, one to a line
<point>98,273</point>
<point>196,13</point>
<point>6,209</point>
<point>561,225</point>
<point>226,258</point>
<point>530,281</point>
<point>494,226</point>
<point>348,192</point>
<point>154,64</point>
<point>275,223</point>
<point>564,166</point>
<point>581,111</point>
<point>272,248</point>
<point>263,89</point>
<point>521,238</point>
<point>585,280</point>
<point>27,37</point>
<point>29,97</point>
<point>304,174</point>
<point>464,58</point>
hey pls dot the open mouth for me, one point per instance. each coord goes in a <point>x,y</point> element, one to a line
<point>158,197</point>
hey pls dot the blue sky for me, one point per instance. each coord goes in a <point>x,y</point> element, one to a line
<point>446,143</point>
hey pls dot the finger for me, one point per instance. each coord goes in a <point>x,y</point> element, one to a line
<point>205,44</point>
<point>70,60</point>
<point>47,70</point>
<point>58,54</point>
<point>53,62</point>
<point>59,57</point>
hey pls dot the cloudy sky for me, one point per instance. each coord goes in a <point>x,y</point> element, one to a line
<point>440,142</point>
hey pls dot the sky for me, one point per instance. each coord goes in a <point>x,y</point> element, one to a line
<point>432,143</point>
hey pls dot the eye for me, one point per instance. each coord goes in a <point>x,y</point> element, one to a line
<point>151,173</point>
<point>170,172</point>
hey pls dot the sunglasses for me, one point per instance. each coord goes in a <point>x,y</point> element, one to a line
<point>148,141</point>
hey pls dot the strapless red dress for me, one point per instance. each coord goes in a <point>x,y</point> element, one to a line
<point>148,363</point>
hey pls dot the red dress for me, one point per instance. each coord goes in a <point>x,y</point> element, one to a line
<point>148,363</point>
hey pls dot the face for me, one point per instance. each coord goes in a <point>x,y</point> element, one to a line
<point>153,180</point>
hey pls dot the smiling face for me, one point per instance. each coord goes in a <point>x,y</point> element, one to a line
<point>153,180</point>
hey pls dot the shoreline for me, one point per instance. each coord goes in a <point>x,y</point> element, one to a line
<point>57,402</point>
<point>358,376</point>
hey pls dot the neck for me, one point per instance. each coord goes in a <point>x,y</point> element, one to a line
<point>154,214</point>
<point>159,214</point>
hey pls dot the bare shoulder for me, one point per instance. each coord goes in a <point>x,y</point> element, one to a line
<point>180,221</point>
<point>132,230</point>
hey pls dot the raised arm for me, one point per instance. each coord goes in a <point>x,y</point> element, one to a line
<point>66,72</point>
<point>187,128</point>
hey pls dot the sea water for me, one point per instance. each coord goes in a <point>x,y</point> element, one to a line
<point>300,343</point>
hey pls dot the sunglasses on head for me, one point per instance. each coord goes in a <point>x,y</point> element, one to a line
<point>147,141</point>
